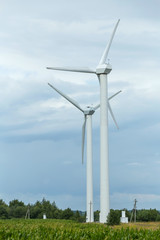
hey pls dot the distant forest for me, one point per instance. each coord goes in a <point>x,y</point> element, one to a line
<point>17,209</point>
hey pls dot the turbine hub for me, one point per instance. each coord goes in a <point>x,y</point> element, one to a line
<point>89,111</point>
<point>103,69</point>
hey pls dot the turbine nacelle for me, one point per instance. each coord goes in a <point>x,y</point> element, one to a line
<point>103,69</point>
<point>89,110</point>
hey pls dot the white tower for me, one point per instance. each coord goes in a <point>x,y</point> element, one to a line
<point>123,218</point>
<point>88,112</point>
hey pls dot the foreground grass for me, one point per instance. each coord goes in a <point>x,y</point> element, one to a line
<point>68,230</point>
<point>142,225</point>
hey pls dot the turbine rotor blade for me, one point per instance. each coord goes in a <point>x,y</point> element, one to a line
<point>110,110</point>
<point>96,107</point>
<point>66,97</point>
<point>83,137</point>
<point>114,95</point>
<point>71,69</point>
<point>105,53</point>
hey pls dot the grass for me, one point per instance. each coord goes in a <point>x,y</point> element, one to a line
<point>68,230</point>
<point>142,225</point>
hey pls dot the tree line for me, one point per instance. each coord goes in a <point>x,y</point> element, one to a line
<point>142,215</point>
<point>17,209</point>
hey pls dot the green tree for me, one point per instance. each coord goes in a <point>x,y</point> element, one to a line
<point>17,209</point>
<point>67,214</point>
<point>78,217</point>
<point>114,217</point>
<point>45,207</point>
<point>36,210</point>
<point>147,215</point>
<point>96,216</point>
<point>16,203</point>
<point>3,210</point>
<point>158,217</point>
<point>56,213</point>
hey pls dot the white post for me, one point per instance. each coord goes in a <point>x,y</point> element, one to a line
<point>104,171</point>
<point>124,219</point>
<point>90,216</point>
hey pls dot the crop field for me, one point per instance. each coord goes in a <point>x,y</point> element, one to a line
<point>68,230</point>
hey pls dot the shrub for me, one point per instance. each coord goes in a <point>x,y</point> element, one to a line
<point>113,217</point>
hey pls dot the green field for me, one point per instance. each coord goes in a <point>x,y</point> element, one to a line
<point>65,230</point>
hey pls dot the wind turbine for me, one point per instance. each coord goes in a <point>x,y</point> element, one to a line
<point>88,112</point>
<point>102,70</point>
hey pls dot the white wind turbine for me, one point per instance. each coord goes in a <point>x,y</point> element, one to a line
<point>88,112</point>
<point>102,70</point>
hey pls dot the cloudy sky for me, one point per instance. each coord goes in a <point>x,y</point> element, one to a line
<point>40,132</point>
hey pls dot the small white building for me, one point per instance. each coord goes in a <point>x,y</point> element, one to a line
<point>44,216</point>
<point>124,219</point>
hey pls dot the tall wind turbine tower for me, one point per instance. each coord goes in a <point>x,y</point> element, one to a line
<point>102,70</point>
<point>88,112</point>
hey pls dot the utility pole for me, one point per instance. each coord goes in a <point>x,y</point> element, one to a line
<point>135,202</point>
<point>28,212</point>
<point>134,211</point>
